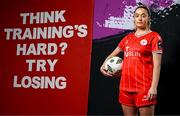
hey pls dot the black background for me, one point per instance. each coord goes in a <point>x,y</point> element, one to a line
<point>104,91</point>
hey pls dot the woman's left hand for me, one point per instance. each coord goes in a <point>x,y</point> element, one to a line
<point>152,94</point>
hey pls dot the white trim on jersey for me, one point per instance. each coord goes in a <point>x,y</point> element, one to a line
<point>119,48</point>
<point>158,52</point>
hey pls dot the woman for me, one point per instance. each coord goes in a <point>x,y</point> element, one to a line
<point>141,66</point>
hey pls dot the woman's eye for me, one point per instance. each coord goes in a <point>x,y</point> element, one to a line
<point>143,16</point>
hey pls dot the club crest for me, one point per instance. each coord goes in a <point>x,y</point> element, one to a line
<point>143,42</point>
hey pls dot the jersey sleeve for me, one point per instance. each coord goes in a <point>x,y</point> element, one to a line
<point>157,44</point>
<point>121,44</point>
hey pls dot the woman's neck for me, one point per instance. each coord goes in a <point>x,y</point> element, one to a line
<point>140,32</point>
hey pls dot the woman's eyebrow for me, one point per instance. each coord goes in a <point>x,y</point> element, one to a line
<point>140,14</point>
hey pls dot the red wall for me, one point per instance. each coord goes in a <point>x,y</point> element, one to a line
<point>35,78</point>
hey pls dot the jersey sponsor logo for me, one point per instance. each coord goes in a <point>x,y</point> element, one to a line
<point>143,42</point>
<point>129,52</point>
<point>132,53</point>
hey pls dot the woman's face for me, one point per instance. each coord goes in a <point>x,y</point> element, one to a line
<point>141,18</point>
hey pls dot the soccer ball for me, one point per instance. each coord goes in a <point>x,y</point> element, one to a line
<point>114,64</point>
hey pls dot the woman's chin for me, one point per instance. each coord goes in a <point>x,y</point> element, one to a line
<point>141,26</point>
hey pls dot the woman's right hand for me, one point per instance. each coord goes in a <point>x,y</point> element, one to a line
<point>105,72</point>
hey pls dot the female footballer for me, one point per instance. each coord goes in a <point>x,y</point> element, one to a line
<point>141,66</point>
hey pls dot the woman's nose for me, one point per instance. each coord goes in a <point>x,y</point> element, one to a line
<point>140,18</point>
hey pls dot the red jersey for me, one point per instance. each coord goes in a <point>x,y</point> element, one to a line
<point>137,68</point>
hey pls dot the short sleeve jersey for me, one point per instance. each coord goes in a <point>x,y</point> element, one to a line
<point>137,68</point>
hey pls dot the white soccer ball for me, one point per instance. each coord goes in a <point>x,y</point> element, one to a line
<point>114,64</point>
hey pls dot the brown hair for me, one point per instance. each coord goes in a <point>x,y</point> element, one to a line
<point>140,5</point>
